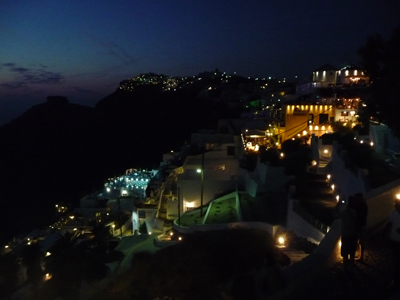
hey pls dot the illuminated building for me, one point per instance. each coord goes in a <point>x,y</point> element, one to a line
<point>307,119</point>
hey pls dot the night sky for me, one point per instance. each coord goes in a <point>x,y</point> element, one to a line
<point>83,49</point>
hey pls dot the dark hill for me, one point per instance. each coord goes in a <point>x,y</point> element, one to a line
<point>58,151</point>
<point>47,156</point>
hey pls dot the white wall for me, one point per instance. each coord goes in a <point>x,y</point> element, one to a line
<point>346,181</point>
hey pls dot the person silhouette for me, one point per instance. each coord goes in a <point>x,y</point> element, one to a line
<point>361,207</point>
<point>347,214</point>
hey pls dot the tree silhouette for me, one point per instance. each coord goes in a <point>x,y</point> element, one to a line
<point>8,274</point>
<point>32,256</point>
<point>75,259</point>
<point>382,61</point>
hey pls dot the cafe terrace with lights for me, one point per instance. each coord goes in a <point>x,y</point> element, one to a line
<point>302,120</point>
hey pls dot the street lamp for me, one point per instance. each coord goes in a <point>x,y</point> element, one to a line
<point>201,171</point>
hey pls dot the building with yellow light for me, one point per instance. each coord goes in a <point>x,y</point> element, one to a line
<point>306,119</point>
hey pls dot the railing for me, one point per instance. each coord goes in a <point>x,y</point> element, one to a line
<point>317,224</point>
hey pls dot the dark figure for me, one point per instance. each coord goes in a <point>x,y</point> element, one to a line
<point>394,235</point>
<point>348,216</point>
<point>361,208</point>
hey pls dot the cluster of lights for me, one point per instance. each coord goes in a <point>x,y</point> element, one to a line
<point>252,147</point>
<point>323,127</point>
<point>61,208</point>
<point>167,82</point>
<point>137,180</point>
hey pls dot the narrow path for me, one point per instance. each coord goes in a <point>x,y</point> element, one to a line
<point>370,279</point>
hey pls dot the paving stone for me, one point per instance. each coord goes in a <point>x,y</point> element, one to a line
<point>370,279</point>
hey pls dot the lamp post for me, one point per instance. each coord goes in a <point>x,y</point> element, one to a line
<point>119,216</point>
<point>179,206</point>
<point>201,171</point>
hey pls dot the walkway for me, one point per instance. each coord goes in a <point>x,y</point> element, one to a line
<point>365,280</point>
<point>315,196</point>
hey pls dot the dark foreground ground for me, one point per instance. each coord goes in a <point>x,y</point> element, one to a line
<point>370,279</point>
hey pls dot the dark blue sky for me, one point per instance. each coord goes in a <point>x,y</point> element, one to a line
<point>83,49</point>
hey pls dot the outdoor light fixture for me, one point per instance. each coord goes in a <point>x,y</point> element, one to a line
<point>398,196</point>
<point>333,187</point>
<point>47,276</point>
<point>281,242</point>
<point>328,176</point>
<point>180,238</point>
<point>337,198</point>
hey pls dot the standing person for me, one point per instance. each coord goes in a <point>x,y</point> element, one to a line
<point>348,216</point>
<point>394,235</point>
<point>361,208</point>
